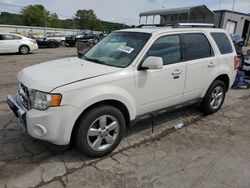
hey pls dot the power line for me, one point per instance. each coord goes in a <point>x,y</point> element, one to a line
<point>8,4</point>
<point>19,6</point>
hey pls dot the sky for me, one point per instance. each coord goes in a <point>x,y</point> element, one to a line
<point>122,11</point>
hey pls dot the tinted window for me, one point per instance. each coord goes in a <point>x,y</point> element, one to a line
<point>222,42</point>
<point>168,48</point>
<point>196,46</point>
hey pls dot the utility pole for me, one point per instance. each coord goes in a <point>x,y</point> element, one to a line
<point>45,21</point>
<point>233,6</point>
<point>73,19</point>
<point>219,4</point>
<point>232,16</point>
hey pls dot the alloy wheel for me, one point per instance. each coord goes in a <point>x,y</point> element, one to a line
<point>103,133</point>
<point>216,97</point>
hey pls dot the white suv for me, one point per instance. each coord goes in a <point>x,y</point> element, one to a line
<point>128,75</point>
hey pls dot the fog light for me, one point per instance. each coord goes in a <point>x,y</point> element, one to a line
<point>39,130</point>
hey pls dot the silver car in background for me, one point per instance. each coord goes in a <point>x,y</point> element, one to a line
<point>60,37</point>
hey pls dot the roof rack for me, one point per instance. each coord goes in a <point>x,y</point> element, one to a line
<point>179,25</point>
<point>154,25</point>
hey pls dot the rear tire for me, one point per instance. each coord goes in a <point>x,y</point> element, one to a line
<point>63,43</point>
<point>100,131</point>
<point>214,97</point>
<point>24,50</point>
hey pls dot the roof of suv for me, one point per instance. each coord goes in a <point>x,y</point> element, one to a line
<point>157,30</point>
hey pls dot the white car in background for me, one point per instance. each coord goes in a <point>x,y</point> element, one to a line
<point>13,43</point>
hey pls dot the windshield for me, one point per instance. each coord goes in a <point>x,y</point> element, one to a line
<point>118,49</point>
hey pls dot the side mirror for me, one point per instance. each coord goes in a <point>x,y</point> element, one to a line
<point>152,62</point>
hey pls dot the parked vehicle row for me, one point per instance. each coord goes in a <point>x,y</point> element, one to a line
<point>84,35</point>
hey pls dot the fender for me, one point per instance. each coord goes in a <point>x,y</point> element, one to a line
<point>212,80</point>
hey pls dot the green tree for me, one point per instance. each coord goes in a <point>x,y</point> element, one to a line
<point>86,19</point>
<point>34,15</point>
<point>37,15</point>
<point>53,20</point>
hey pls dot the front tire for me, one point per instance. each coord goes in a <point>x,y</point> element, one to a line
<point>214,97</point>
<point>100,131</point>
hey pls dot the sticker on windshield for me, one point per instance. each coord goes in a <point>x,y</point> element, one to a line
<point>125,48</point>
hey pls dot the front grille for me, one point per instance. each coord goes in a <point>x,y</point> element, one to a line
<point>23,93</point>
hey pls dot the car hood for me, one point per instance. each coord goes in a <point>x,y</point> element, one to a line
<point>50,75</point>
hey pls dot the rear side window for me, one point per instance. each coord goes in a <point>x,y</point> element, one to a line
<point>222,42</point>
<point>196,46</point>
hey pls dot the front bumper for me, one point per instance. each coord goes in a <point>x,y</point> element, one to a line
<point>53,125</point>
<point>18,110</point>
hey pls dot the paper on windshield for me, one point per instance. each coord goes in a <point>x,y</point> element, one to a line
<point>125,48</point>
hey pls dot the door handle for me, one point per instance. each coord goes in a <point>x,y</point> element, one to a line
<point>211,64</point>
<point>176,72</point>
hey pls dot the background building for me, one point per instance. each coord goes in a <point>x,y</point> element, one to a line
<point>195,14</point>
<point>233,22</point>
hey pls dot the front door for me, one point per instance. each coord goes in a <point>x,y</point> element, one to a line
<point>156,89</point>
<point>10,43</point>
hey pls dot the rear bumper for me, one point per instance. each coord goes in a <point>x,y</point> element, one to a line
<point>33,47</point>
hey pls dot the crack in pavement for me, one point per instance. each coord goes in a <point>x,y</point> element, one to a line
<point>93,163</point>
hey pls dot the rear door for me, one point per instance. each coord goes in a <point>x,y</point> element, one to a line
<point>202,64</point>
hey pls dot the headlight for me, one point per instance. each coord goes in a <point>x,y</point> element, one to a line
<point>42,101</point>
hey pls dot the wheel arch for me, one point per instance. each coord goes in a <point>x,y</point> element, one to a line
<point>115,103</point>
<point>224,78</point>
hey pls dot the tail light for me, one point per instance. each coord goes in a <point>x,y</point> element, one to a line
<point>236,62</point>
<point>34,41</point>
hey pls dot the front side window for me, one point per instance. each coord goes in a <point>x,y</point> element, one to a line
<point>196,46</point>
<point>168,48</point>
<point>222,42</point>
<point>118,49</point>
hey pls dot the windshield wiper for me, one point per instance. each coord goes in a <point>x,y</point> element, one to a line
<point>94,60</point>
